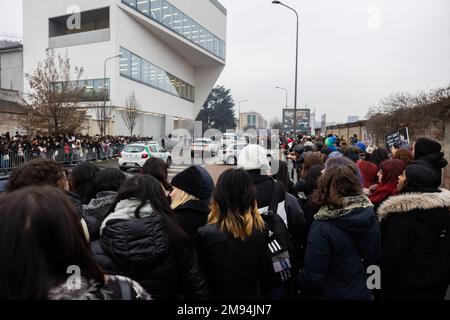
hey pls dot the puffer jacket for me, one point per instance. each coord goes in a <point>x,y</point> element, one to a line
<point>416,245</point>
<point>115,288</point>
<point>342,243</point>
<point>143,250</point>
<point>99,206</point>
<point>234,267</point>
<point>191,216</point>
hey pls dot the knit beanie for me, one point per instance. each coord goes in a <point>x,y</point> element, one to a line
<point>195,181</point>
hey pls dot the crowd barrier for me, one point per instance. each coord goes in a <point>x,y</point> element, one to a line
<point>13,159</point>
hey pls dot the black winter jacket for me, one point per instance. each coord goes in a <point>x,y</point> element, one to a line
<point>191,216</point>
<point>142,250</point>
<point>234,268</point>
<point>342,243</point>
<point>416,245</point>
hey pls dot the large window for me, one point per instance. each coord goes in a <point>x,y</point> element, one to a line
<point>164,12</point>
<point>92,89</point>
<point>125,62</point>
<point>135,68</point>
<point>90,21</point>
<point>156,8</point>
<point>251,120</point>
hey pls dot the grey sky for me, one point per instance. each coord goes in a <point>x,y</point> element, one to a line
<point>345,67</point>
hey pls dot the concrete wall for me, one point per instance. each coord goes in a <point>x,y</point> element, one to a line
<point>11,70</point>
<point>439,132</point>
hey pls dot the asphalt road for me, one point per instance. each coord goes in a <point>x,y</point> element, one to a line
<point>214,170</point>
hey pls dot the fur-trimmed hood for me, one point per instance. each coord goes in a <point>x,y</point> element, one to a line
<point>414,201</point>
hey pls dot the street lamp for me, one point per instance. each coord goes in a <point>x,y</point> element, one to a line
<point>286,94</point>
<point>239,103</point>
<point>103,120</point>
<point>296,64</point>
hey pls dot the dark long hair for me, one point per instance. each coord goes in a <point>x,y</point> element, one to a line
<point>157,168</point>
<point>40,237</point>
<point>379,155</point>
<point>110,179</point>
<point>234,208</point>
<point>38,172</point>
<point>335,184</point>
<point>148,190</point>
<point>83,181</point>
<point>282,175</point>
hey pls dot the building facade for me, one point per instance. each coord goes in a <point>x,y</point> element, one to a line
<point>252,120</point>
<point>11,68</point>
<point>11,109</point>
<point>171,54</point>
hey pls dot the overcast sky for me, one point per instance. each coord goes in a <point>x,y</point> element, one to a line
<point>348,59</point>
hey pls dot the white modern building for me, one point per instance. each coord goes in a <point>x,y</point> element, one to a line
<point>172,53</point>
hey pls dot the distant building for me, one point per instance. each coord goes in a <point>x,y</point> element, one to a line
<point>11,66</point>
<point>252,120</point>
<point>11,109</point>
<point>351,119</point>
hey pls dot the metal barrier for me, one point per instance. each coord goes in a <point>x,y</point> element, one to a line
<point>10,160</point>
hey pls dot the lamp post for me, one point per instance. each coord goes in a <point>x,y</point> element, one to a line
<point>296,64</point>
<point>103,120</point>
<point>239,102</point>
<point>286,94</point>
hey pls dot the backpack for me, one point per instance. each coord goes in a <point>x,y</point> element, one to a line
<point>279,244</point>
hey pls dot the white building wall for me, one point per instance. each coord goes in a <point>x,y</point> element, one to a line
<point>127,32</point>
<point>11,70</point>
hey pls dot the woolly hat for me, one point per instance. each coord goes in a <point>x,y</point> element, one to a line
<point>253,157</point>
<point>425,146</point>
<point>196,181</point>
<point>420,178</point>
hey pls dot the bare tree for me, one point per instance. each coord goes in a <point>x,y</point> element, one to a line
<point>416,111</point>
<point>275,123</point>
<point>54,99</point>
<point>131,113</point>
<point>104,115</point>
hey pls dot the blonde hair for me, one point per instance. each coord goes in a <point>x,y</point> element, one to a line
<point>240,226</point>
<point>181,198</point>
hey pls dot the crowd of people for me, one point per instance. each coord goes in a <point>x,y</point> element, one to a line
<point>262,232</point>
<point>14,150</point>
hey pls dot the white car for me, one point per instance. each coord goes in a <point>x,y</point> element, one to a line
<point>136,154</point>
<point>231,152</point>
<point>204,145</point>
<point>228,138</point>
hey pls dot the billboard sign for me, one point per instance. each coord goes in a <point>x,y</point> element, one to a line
<point>303,120</point>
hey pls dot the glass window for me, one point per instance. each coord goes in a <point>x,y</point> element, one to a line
<point>125,62</point>
<point>153,75</point>
<point>222,49</point>
<point>143,6</point>
<point>216,48</point>
<point>194,32</point>
<point>136,67</point>
<point>156,9</point>
<point>131,3</point>
<point>209,41</point>
<point>187,25</point>
<point>153,149</point>
<point>146,72</point>
<point>201,36</point>
<point>177,21</point>
<point>167,15</point>
<point>100,90</point>
<point>161,78</point>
